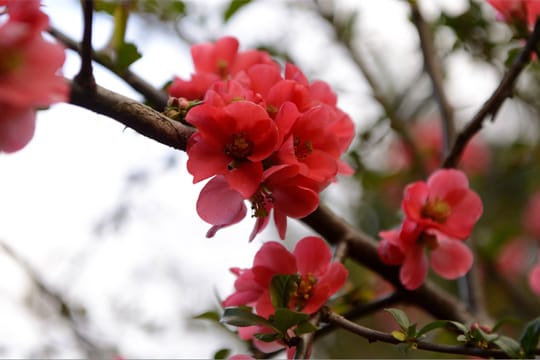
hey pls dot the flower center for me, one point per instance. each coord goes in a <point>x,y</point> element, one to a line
<point>261,203</point>
<point>302,148</point>
<point>428,240</point>
<point>9,61</point>
<point>223,68</point>
<point>303,291</point>
<point>436,210</point>
<point>240,146</point>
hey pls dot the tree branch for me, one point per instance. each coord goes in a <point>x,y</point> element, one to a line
<point>374,335</point>
<point>433,69</point>
<point>133,114</point>
<point>157,98</point>
<point>85,77</point>
<point>493,104</point>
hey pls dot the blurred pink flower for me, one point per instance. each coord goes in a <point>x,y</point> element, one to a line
<point>517,10</point>
<point>534,279</point>
<point>28,72</point>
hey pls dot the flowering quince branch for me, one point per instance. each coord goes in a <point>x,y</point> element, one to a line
<point>374,335</point>
<point>133,114</point>
<point>493,104</point>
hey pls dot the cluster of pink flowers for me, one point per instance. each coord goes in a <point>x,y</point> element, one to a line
<point>517,11</point>
<point>439,215</point>
<point>318,279</point>
<point>271,138</point>
<point>28,72</point>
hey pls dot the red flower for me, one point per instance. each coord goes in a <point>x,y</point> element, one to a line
<point>319,278</point>
<point>28,72</point>
<point>512,11</point>
<point>231,141</point>
<point>450,258</point>
<point>444,203</point>
<point>438,215</point>
<point>281,191</point>
<point>213,62</point>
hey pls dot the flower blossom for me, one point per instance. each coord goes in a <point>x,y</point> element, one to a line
<point>318,277</point>
<point>28,72</point>
<point>534,279</point>
<point>517,11</point>
<point>265,137</point>
<point>439,215</point>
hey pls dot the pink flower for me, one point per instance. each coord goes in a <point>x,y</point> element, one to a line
<point>531,216</point>
<point>444,203</point>
<point>282,191</point>
<point>439,214</point>
<point>319,278</point>
<point>534,279</point>
<point>514,258</point>
<point>231,141</point>
<point>450,258</point>
<point>214,62</point>
<point>515,11</point>
<point>28,72</point>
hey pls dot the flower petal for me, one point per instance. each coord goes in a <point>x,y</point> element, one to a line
<point>451,259</point>
<point>414,269</point>
<point>312,256</point>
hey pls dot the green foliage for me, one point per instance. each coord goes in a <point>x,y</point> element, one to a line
<point>127,55</point>
<point>233,7</point>
<point>208,315</point>
<point>222,354</point>
<point>530,337</point>
<point>281,288</point>
<point>242,316</point>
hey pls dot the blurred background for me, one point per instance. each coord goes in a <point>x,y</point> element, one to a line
<point>103,254</point>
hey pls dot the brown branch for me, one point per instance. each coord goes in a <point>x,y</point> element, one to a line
<point>493,104</point>
<point>85,77</point>
<point>433,68</point>
<point>363,248</point>
<point>133,114</point>
<point>157,98</point>
<point>374,335</point>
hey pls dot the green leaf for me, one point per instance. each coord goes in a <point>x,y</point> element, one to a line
<point>105,6</point>
<point>222,354</point>
<point>399,335</point>
<point>208,315</point>
<point>401,318</point>
<point>238,316</point>
<point>304,327</point>
<point>281,288</point>
<point>234,6</point>
<point>268,337</point>
<point>179,7</point>
<point>530,337</point>
<point>432,326</point>
<point>459,326</point>
<point>510,346</point>
<point>284,319</point>
<point>127,55</point>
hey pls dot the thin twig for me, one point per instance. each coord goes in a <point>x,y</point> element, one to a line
<point>92,350</point>
<point>374,335</point>
<point>433,68</point>
<point>363,310</point>
<point>85,77</point>
<point>157,98</point>
<point>493,104</point>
